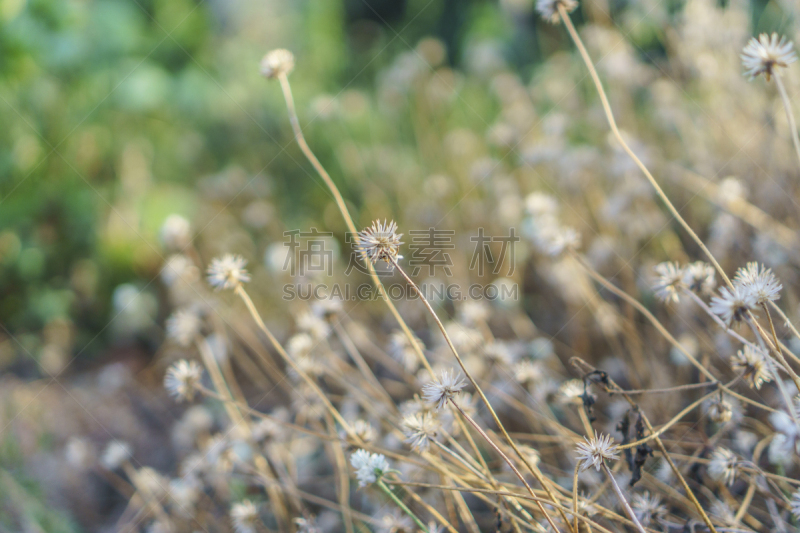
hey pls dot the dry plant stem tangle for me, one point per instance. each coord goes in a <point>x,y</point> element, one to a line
<point>505,458</point>
<point>787,106</point>
<point>613,387</point>
<point>615,130</point>
<point>535,471</point>
<point>278,348</point>
<point>663,331</point>
<point>301,141</point>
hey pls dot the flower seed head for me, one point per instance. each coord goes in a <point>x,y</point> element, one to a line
<point>548,9</point>
<point>183,327</point>
<point>380,241</point>
<point>699,277</point>
<point>370,467</point>
<point>182,378</point>
<point>752,363</point>
<point>723,465</point>
<point>420,429</point>
<point>227,272</point>
<point>648,508</point>
<point>276,63</point>
<point>446,387</point>
<point>763,55</point>
<point>761,283</point>
<point>670,281</point>
<point>732,304</point>
<point>595,451</point>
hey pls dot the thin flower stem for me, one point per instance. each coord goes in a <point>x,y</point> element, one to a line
<point>401,505</point>
<point>535,471</point>
<point>778,349</point>
<point>778,380</point>
<point>785,320</point>
<point>663,331</point>
<point>575,495</point>
<point>787,106</point>
<point>505,458</point>
<point>286,88</point>
<point>622,500</point>
<point>289,361</point>
<point>615,130</point>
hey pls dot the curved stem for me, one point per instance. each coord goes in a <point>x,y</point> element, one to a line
<point>340,203</point>
<point>622,500</point>
<point>787,106</point>
<point>535,471</point>
<point>613,124</point>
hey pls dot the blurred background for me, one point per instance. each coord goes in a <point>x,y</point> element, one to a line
<point>117,114</point>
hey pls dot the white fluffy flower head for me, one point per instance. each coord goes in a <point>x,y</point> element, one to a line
<point>420,429</point>
<point>182,378</point>
<point>438,391</point>
<point>548,9</point>
<point>732,304</point>
<point>276,63</point>
<point>723,465</point>
<point>227,272</point>
<point>370,467</point>
<point>183,326</point>
<point>380,241</point>
<point>760,283</point>
<point>763,55</point>
<point>670,281</point>
<point>594,452</point>
<point>753,365</point>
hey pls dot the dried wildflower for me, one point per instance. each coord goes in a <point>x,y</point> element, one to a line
<point>227,272</point>
<point>183,327</point>
<point>527,371</point>
<point>438,391</point>
<point>732,304</point>
<point>364,430</point>
<point>670,281</point>
<point>720,411</point>
<point>403,351</point>
<point>548,9</point>
<point>370,467</point>
<point>795,503</point>
<point>277,62</point>
<point>760,283</point>
<point>116,453</point>
<point>420,429</point>
<point>572,392</point>
<point>597,450</point>
<point>244,516</point>
<point>648,508</point>
<point>380,241</point>
<point>723,465</point>
<point>182,378</point>
<point>176,233</point>
<point>753,364</point>
<point>699,277</point>
<point>762,55</point>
